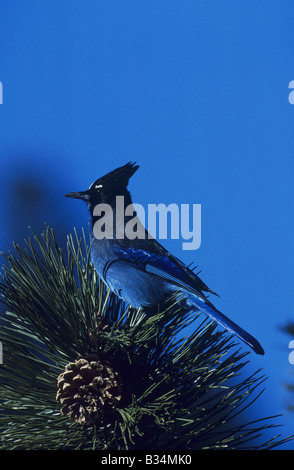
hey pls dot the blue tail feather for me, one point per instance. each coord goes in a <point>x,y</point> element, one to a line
<point>211,311</point>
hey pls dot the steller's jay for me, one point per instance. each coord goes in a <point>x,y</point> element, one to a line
<point>140,270</point>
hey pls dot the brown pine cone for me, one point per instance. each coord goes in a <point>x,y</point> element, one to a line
<point>88,389</point>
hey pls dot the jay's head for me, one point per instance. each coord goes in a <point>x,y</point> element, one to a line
<point>106,188</point>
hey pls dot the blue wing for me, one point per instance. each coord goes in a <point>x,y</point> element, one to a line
<point>166,267</point>
<point>174,271</point>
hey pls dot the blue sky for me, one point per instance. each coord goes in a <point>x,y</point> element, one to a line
<point>197,93</point>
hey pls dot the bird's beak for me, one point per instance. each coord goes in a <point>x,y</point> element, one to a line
<point>79,195</point>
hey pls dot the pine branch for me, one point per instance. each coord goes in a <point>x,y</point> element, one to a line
<point>125,380</point>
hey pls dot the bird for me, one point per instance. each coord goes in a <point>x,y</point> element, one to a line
<point>139,270</point>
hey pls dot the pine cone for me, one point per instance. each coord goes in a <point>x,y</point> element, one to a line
<point>88,389</point>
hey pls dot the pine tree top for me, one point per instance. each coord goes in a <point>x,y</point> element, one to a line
<point>145,383</point>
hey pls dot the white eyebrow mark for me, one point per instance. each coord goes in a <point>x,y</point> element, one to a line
<point>98,186</point>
